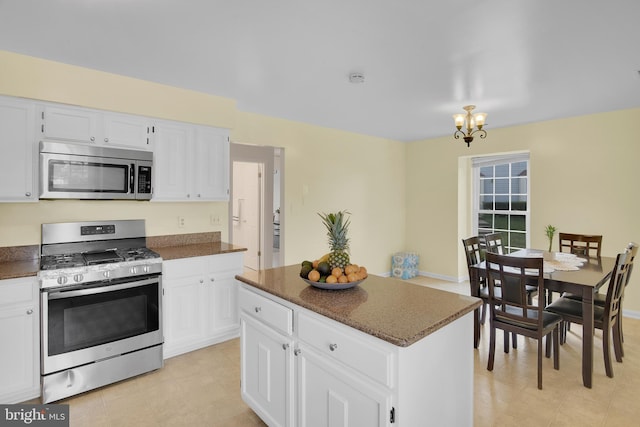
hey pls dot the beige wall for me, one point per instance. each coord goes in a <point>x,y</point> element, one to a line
<point>340,170</point>
<point>583,180</point>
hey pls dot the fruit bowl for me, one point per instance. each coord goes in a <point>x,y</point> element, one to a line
<point>332,286</point>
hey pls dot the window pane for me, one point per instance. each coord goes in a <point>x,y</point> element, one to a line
<point>518,240</point>
<point>486,186</point>
<point>519,185</point>
<point>486,203</point>
<point>502,203</point>
<point>485,221</point>
<point>518,203</point>
<point>486,172</point>
<point>502,170</point>
<point>502,186</point>
<point>518,222</point>
<point>502,222</point>
<point>519,169</point>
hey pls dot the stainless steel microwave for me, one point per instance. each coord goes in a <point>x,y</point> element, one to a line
<point>83,171</point>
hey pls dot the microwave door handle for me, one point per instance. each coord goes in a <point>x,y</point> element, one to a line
<point>132,171</point>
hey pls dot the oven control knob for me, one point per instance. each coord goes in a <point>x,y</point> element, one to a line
<point>134,270</point>
<point>106,274</point>
<point>146,268</point>
<point>62,280</point>
<point>78,277</point>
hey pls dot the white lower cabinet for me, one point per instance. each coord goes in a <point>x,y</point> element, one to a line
<point>19,335</point>
<point>293,379</point>
<point>200,301</point>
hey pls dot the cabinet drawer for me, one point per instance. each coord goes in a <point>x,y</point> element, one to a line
<point>222,262</point>
<point>270,312</point>
<point>347,347</point>
<point>14,291</point>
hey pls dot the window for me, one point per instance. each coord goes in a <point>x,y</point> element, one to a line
<point>501,198</point>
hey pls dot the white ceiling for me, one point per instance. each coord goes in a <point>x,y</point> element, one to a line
<point>518,60</point>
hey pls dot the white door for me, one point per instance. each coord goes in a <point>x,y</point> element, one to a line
<point>247,201</point>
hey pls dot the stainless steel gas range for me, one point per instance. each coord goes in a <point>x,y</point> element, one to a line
<point>101,306</point>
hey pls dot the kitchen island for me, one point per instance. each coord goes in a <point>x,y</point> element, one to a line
<point>384,352</point>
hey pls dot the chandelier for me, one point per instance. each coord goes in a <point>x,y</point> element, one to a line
<point>469,122</point>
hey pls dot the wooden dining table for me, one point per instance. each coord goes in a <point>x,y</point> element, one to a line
<point>585,281</point>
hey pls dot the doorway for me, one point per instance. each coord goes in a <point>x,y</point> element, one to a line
<point>255,209</point>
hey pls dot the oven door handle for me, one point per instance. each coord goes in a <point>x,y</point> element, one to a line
<point>99,289</point>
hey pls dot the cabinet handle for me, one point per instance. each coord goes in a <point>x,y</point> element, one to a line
<point>92,139</point>
<point>297,351</point>
<point>30,311</point>
<point>198,195</point>
<point>212,279</point>
<point>188,195</point>
<point>333,347</point>
<point>201,280</point>
<point>27,194</point>
<point>106,140</point>
<point>285,346</point>
<point>258,309</point>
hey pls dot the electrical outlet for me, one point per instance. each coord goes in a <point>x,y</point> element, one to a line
<point>181,222</point>
<point>214,219</point>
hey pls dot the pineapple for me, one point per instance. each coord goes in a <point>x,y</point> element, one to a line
<point>337,227</point>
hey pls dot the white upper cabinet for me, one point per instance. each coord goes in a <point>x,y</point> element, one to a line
<point>211,178</point>
<point>18,160</point>
<point>191,162</point>
<point>96,127</point>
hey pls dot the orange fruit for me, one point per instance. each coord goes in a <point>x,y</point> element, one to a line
<point>351,277</point>
<point>337,271</point>
<point>363,272</point>
<point>349,269</point>
<point>343,279</point>
<point>314,275</point>
<point>332,279</point>
<point>315,263</point>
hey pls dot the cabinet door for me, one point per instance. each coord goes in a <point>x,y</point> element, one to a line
<point>183,316</point>
<point>171,144</point>
<point>123,130</point>
<point>211,157</point>
<point>223,289</point>
<point>69,124</point>
<point>266,373</point>
<point>17,144</point>
<point>331,396</point>
<point>19,335</point>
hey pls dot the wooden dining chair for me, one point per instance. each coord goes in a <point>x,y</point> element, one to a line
<point>580,244</point>
<point>605,317</point>
<point>474,250</point>
<point>512,312</point>
<point>600,299</point>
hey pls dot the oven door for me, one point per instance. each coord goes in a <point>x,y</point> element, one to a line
<point>88,324</point>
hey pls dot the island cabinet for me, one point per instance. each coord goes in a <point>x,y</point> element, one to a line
<point>19,335</point>
<point>200,301</point>
<point>310,358</point>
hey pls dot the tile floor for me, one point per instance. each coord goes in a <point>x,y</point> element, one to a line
<point>202,388</point>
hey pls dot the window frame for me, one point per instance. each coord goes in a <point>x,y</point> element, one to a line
<point>493,160</point>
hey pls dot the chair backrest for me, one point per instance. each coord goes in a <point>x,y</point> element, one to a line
<point>580,244</point>
<point>617,284</point>
<point>474,250</point>
<point>632,248</point>
<point>494,243</point>
<point>514,274</point>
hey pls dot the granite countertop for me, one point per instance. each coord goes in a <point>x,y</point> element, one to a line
<point>19,261</point>
<point>393,310</point>
<point>24,261</point>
